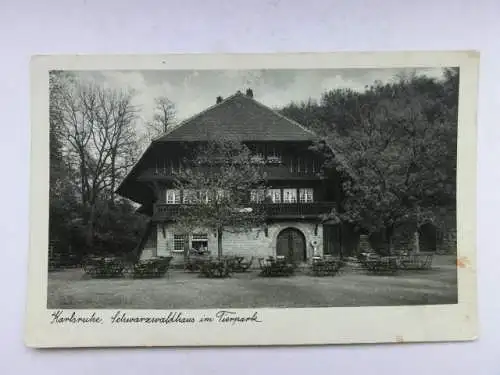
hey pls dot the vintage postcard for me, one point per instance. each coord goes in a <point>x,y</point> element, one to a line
<point>252,199</point>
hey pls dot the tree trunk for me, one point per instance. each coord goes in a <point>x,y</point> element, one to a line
<point>186,249</point>
<point>113,178</point>
<point>389,231</point>
<point>416,244</point>
<point>89,240</point>
<point>416,235</point>
<point>219,243</point>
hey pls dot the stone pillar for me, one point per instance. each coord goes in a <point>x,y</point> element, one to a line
<point>416,241</point>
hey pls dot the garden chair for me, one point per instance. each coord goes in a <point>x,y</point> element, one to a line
<point>382,265</point>
<point>275,267</point>
<point>104,267</point>
<point>194,262</point>
<point>239,264</point>
<point>217,268</point>
<point>416,261</point>
<point>326,266</point>
<point>151,268</point>
<point>246,265</point>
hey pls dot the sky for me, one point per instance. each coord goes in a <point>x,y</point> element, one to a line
<point>192,91</point>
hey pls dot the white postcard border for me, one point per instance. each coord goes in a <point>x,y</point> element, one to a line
<point>338,325</point>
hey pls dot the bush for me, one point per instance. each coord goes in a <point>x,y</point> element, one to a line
<point>156,267</point>
<point>104,268</point>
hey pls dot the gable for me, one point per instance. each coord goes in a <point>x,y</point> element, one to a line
<point>239,118</point>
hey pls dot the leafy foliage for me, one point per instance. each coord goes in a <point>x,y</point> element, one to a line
<point>398,141</point>
<point>92,145</point>
<point>220,175</point>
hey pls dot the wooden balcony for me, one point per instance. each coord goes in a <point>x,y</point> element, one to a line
<point>272,172</point>
<point>273,210</point>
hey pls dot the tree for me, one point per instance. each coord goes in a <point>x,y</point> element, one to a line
<point>398,140</point>
<point>401,148</point>
<point>63,206</point>
<point>216,182</point>
<point>163,117</point>
<point>307,113</point>
<point>100,143</point>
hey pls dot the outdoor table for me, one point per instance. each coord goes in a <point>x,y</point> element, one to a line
<point>194,262</point>
<point>239,265</point>
<point>277,267</point>
<point>215,268</point>
<point>418,261</point>
<point>238,260</point>
<point>382,264</point>
<point>325,267</point>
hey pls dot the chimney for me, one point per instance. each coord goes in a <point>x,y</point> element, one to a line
<point>249,93</point>
<point>219,99</point>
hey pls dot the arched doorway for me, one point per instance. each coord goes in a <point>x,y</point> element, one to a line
<point>291,243</point>
<point>428,237</point>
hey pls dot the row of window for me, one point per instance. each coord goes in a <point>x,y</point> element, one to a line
<point>176,196</point>
<point>303,195</point>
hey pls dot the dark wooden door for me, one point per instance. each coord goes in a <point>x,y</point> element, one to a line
<point>291,244</point>
<point>331,240</point>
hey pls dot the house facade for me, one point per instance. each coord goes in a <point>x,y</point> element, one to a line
<point>300,196</point>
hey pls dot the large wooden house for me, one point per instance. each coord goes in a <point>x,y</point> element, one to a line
<point>300,195</point>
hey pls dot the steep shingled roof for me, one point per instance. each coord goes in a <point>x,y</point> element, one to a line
<point>238,117</point>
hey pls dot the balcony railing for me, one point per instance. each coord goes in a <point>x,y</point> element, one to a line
<point>273,210</point>
<point>273,172</point>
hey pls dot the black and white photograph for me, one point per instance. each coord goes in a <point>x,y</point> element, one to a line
<point>239,189</point>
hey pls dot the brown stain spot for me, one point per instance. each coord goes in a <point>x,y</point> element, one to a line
<point>400,339</point>
<point>463,262</point>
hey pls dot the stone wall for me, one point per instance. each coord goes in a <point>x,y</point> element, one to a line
<point>440,238</point>
<point>254,243</point>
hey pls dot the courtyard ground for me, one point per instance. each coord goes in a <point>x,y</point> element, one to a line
<point>179,290</point>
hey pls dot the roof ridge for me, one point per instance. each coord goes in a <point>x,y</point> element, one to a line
<point>237,94</point>
<point>189,119</point>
